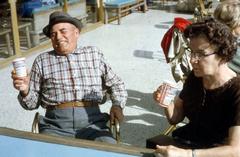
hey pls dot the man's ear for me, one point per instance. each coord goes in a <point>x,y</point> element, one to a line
<point>78,31</point>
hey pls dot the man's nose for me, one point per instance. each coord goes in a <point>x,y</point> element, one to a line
<point>58,35</point>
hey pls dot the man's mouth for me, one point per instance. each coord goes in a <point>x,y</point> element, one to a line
<point>60,43</point>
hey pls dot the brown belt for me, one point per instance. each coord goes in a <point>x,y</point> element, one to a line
<point>72,104</point>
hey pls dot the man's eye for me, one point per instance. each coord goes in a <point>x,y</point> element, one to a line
<point>52,35</point>
<point>64,31</point>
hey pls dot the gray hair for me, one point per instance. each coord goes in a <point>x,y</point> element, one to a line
<point>228,12</point>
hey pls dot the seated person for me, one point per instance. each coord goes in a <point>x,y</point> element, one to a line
<point>27,7</point>
<point>69,81</point>
<point>228,12</point>
<point>48,2</point>
<point>210,98</point>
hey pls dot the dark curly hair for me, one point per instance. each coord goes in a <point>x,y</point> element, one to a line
<point>217,33</point>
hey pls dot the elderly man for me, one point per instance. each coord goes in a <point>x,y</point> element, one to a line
<point>70,83</point>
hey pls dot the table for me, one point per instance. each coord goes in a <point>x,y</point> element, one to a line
<point>16,143</point>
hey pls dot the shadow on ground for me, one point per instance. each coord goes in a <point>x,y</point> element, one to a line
<point>149,54</point>
<point>148,119</point>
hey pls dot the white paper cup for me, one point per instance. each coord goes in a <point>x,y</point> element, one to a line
<point>168,92</point>
<point>20,67</point>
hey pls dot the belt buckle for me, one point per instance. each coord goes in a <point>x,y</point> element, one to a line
<point>77,104</point>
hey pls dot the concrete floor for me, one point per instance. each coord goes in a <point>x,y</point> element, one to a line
<point>133,50</point>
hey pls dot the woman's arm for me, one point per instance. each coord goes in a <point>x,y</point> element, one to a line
<point>230,149</point>
<point>174,111</point>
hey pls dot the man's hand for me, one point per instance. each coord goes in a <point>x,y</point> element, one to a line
<point>21,83</point>
<point>116,112</point>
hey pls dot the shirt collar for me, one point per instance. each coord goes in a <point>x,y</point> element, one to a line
<point>74,52</point>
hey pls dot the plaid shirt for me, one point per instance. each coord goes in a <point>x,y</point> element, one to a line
<point>79,76</point>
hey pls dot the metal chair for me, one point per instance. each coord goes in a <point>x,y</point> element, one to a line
<point>170,129</point>
<point>205,8</point>
<point>35,127</point>
<point>114,127</point>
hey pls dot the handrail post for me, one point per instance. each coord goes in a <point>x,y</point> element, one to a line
<point>65,6</point>
<point>100,10</point>
<point>15,31</point>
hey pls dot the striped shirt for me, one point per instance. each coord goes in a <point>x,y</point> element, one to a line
<point>79,76</point>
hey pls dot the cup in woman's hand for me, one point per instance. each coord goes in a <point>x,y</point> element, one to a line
<point>167,91</point>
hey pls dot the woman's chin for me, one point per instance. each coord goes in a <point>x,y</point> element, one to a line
<point>197,73</point>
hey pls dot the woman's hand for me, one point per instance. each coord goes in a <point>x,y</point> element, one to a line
<point>172,104</point>
<point>158,96</point>
<point>172,151</point>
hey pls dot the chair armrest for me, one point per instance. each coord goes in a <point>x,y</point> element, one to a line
<point>169,129</point>
<point>115,129</point>
<point>35,127</point>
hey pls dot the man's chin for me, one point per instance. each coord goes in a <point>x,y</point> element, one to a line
<point>61,50</point>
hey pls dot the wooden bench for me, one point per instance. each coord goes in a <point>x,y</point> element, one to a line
<point>26,27</point>
<point>40,17</point>
<point>122,6</point>
<point>7,33</point>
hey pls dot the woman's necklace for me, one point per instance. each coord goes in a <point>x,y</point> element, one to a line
<point>204,97</point>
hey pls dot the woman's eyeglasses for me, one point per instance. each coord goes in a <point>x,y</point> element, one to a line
<point>200,54</point>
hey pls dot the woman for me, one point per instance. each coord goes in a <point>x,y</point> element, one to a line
<point>228,12</point>
<point>210,97</point>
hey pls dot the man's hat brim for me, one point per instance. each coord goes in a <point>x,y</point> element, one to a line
<point>58,19</point>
